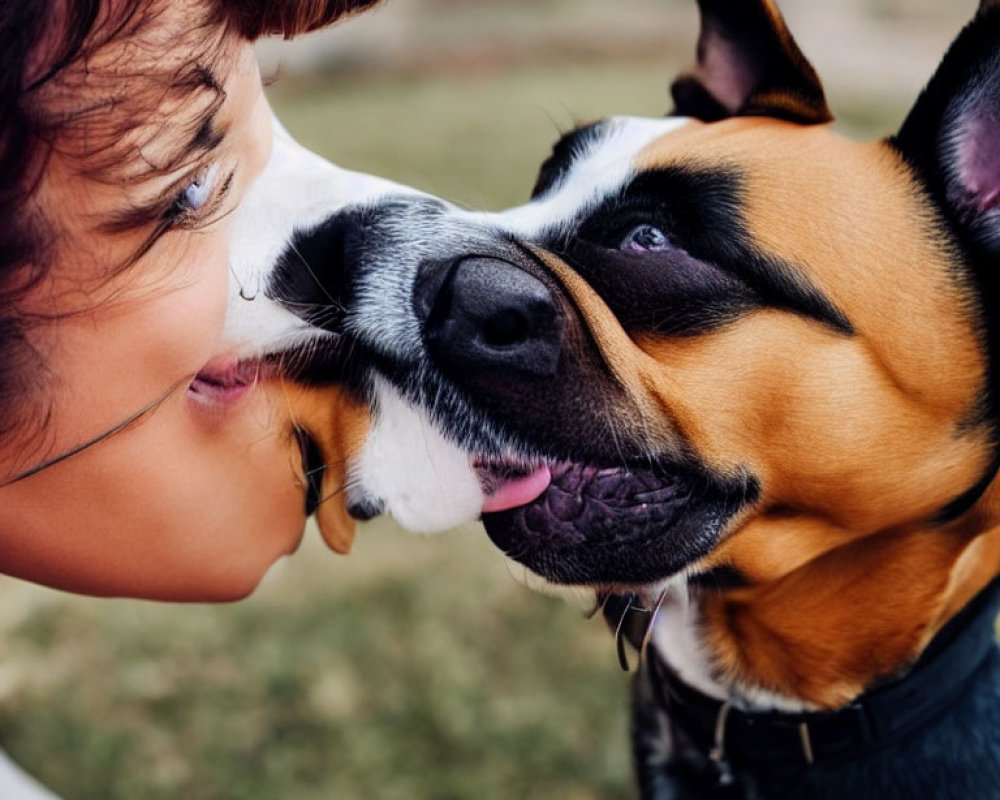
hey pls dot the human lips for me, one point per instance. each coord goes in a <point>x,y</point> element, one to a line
<point>224,380</point>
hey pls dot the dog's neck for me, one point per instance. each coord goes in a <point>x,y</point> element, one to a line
<point>817,635</point>
<point>679,641</point>
<point>719,750</point>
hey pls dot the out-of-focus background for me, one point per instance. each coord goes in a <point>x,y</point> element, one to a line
<point>417,667</point>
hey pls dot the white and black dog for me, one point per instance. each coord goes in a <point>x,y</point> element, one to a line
<point>741,367</point>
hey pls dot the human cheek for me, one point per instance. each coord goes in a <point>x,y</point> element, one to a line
<point>172,509</point>
<point>197,310</point>
<point>234,501</point>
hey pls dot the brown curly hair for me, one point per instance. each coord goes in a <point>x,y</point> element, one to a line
<point>35,54</point>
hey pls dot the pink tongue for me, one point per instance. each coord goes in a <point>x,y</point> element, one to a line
<point>518,491</point>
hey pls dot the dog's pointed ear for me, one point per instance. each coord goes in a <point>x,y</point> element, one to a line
<point>748,65</point>
<point>952,134</point>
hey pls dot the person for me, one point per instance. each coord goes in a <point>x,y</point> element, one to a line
<point>131,131</point>
<point>132,463</point>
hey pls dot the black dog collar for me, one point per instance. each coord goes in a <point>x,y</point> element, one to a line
<point>879,717</point>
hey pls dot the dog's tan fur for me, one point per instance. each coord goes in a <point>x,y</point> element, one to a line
<point>338,423</point>
<point>858,440</point>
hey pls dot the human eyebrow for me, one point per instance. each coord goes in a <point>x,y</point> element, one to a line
<point>208,135</point>
<point>115,140</point>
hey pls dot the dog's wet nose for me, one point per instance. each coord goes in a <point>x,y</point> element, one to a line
<point>483,313</point>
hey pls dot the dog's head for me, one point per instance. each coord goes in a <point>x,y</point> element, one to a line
<point>729,341</point>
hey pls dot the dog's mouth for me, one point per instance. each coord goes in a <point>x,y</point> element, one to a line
<point>603,525</point>
<point>508,483</point>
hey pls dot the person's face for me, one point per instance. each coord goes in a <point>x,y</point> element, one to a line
<point>201,494</point>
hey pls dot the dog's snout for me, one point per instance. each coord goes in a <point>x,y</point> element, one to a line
<point>482,313</point>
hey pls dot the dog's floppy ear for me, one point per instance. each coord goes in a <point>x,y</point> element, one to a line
<point>748,65</point>
<point>335,425</point>
<point>952,135</point>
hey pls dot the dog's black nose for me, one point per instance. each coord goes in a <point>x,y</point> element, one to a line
<point>484,313</point>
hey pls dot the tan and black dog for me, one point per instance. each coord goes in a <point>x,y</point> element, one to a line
<point>747,370</point>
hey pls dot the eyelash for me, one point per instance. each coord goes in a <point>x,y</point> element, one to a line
<point>181,214</point>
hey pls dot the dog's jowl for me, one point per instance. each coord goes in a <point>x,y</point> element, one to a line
<point>747,372</point>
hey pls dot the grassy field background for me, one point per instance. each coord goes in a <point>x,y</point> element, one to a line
<point>415,668</point>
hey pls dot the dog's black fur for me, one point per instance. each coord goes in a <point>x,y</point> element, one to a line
<point>919,762</point>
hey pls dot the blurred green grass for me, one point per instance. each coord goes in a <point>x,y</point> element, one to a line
<point>415,668</point>
<point>478,138</point>
<point>475,138</point>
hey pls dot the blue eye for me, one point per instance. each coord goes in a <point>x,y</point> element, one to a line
<point>646,239</point>
<point>197,193</point>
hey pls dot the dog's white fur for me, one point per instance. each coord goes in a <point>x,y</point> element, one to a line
<point>425,480</point>
<point>604,166</point>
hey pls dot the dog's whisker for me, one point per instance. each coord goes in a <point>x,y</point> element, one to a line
<point>312,274</point>
<point>620,637</point>
<point>332,495</point>
<point>647,637</point>
<point>346,486</point>
<point>601,597</point>
<point>321,469</point>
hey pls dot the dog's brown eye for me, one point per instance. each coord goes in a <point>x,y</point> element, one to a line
<point>645,239</point>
